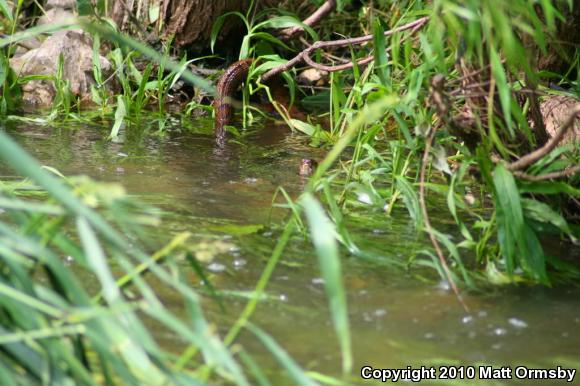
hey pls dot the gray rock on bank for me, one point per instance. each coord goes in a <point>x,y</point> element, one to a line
<point>76,48</point>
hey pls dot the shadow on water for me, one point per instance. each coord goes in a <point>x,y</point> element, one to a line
<point>398,318</point>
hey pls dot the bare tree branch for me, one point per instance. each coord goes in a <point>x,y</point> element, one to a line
<point>532,157</point>
<point>548,176</point>
<point>301,57</point>
<point>311,20</point>
<point>340,67</point>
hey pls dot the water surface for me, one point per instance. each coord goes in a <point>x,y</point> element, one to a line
<point>398,317</point>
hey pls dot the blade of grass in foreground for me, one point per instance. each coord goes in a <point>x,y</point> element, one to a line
<point>6,10</point>
<point>38,30</point>
<point>324,238</point>
<point>294,371</point>
<point>368,114</point>
<point>120,332</point>
<point>113,36</point>
<point>248,311</point>
<point>510,218</point>
<point>126,41</point>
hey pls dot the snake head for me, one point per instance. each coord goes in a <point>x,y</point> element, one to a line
<point>307,166</point>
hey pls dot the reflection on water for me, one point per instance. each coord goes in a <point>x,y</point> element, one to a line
<point>397,317</point>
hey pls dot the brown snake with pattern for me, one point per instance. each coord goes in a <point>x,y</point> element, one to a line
<point>227,85</point>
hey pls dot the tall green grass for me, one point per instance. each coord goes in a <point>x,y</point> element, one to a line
<point>56,331</point>
<point>380,149</point>
<point>53,331</point>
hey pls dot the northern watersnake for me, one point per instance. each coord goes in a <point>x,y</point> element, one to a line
<point>227,85</point>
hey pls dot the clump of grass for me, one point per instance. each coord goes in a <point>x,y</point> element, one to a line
<point>46,309</point>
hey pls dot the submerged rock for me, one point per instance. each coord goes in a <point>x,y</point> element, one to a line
<point>76,49</point>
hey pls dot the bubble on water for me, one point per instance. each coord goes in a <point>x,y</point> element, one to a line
<point>238,263</point>
<point>216,267</point>
<point>367,317</point>
<point>120,154</point>
<point>467,319</point>
<point>380,312</point>
<point>496,346</point>
<point>283,297</point>
<point>517,323</point>
<point>443,285</point>
<point>499,331</point>
<point>482,314</point>
<point>317,280</point>
<point>429,335</point>
<point>251,180</point>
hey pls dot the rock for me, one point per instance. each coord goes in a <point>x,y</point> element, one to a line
<point>555,110</point>
<point>62,4</point>
<point>76,48</point>
<point>311,76</point>
<point>24,46</point>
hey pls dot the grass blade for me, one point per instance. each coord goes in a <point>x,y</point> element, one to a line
<point>294,371</point>
<point>510,218</point>
<point>324,238</point>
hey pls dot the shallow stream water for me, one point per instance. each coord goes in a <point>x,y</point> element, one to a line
<point>398,317</point>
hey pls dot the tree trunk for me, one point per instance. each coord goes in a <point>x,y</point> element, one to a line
<point>188,22</point>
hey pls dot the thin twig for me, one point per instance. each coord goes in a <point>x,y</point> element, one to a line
<point>428,228</point>
<point>339,67</point>
<point>462,89</point>
<point>457,95</point>
<point>532,157</point>
<point>29,44</point>
<point>311,20</point>
<point>301,57</point>
<point>327,55</point>
<point>548,176</point>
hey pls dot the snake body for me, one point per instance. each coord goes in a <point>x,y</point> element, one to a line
<point>227,85</point>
